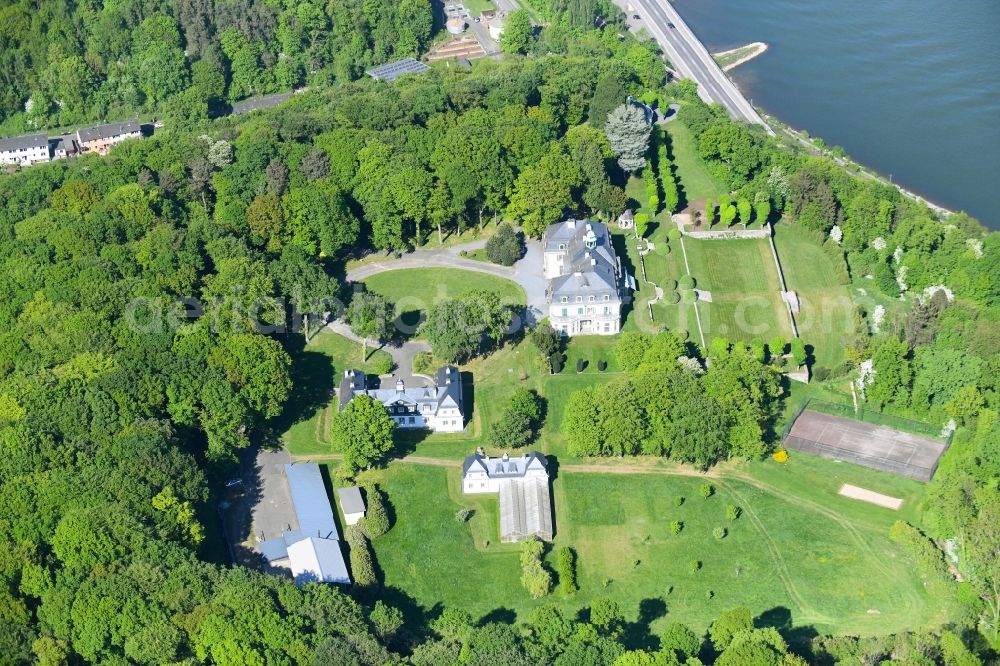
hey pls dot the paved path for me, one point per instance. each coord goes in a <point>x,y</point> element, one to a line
<point>402,354</point>
<point>690,57</point>
<point>527,272</point>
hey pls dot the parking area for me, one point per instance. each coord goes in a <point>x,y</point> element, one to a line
<point>871,445</point>
<point>273,512</point>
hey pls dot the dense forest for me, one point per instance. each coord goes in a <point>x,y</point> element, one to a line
<point>148,333</point>
<point>63,63</point>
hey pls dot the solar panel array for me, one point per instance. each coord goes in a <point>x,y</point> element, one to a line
<point>393,70</point>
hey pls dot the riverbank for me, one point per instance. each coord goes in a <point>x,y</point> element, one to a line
<point>727,60</point>
<point>819,147</point>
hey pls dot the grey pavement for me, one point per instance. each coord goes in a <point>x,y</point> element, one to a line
<point>690,57</point>
<point>272,511</point>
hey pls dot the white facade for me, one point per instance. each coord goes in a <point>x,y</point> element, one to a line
<point>483,475</point>
<point>438,408</point>
<point>25,151</point>
<point>586,280</point>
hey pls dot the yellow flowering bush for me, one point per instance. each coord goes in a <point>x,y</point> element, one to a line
<point>781,455</point>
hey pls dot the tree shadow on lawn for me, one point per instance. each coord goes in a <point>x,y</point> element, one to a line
<point>312,376</point>
<point>620,242</point>
<point>637,635</point>
<point>799,638</point>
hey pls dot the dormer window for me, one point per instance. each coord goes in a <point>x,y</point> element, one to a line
<point>591,299</point>
<point>579,299</point>
<point>563,299</point>
<point>607,297</point>
<point>562,246</point>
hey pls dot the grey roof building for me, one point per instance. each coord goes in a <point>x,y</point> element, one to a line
<point>523,486</point>
<point>25,150</point>
<point>351,503</point>
<point>100,138</point>
<point>438,407</point>
<point>311,547</point>
<point>586,280</point>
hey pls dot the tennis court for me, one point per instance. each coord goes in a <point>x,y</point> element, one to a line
<point>871,445</point>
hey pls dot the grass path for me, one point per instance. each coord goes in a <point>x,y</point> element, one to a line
<point>780,567</point>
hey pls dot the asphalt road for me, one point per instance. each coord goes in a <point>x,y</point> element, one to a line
<point>690,57</point>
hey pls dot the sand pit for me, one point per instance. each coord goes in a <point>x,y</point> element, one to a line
<point>847,490</point>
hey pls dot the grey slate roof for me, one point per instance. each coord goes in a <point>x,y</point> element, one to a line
<point>312,506</point>
<point>447,391</point>
<point>350,500</point>
<point>109,130</point>
<point>393,70</point>
<point>23,142</point>
<point>586,270</point>
<point>504,467</point>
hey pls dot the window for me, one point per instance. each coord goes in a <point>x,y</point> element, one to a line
<point>579,310</point>
<point>591,299</point>
<point>562,246</point>
<point>564,312</point>
<point>579,299</point>
<point>563,299</point>
<point>607,297</point>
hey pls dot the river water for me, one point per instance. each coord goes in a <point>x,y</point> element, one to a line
<point>910,88</point>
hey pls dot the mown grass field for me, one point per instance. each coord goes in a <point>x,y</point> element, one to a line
<point>695,180</point>
<point>414,290</point>
<point>798,553</point>
<point>746,293</point>
<point>826,311</point>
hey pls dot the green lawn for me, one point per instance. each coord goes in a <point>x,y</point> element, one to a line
<point>695,180</point>
<point>414,290</point>
<point>798,546</point>
<point>826,310</point>
<point>746,294</point>
<point>477,7</point>
<point>304,427</point>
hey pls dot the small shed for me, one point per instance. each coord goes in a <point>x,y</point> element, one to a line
<point>626,220</point>
<point>352,504</point>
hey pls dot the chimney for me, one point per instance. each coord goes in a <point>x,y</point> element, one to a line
<point>505,457</point>
<point>571,224</point>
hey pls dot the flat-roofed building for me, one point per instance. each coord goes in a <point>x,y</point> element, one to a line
<point>311,547</point>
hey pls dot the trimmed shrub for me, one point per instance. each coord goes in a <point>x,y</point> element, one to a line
<point>674,234</point>
<point>821,374</point>
<point>733,512</point>
<point>376,514</point>
<point>669,284</point>
<point>464,515</point>
<point>780,455</point>
<point>686,282</point>
<point>556,362</point>
<point>690,297</point>
<point>534,576</point>
<point>566,568</point>
<point>362,560</point>
<point>676,527</point>
<point>678,500</point>
<point>671,298</point>
<point>423,363</point>
<point>581,365</point>
<point>720,533</point>
<point>694,565</point>
<point>602,365</point>
<point>706,490</point>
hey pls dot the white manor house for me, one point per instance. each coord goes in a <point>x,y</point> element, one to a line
<point>438,407</point>
<point>586,280</point>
